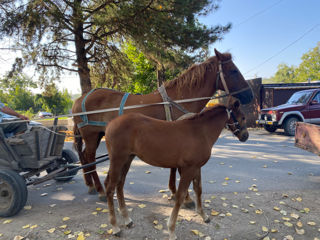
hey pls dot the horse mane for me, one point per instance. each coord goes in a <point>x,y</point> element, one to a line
<point>193,77</point>
<point>215,109</point>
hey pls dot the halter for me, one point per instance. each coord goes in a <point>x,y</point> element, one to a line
<point>234,124</point>
<point>220,75</point>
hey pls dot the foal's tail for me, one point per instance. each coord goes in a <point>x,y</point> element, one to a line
<point>77,142</point>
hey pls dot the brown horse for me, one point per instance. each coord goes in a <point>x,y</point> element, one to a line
<point>201,80</point>
<point>184,144</point>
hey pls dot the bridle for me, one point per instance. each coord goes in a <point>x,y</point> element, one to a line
<point>235,126</point>
<point>220,75</point>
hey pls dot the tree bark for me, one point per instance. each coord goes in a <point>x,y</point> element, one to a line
<point>80,45</point>
<point>161,76</point>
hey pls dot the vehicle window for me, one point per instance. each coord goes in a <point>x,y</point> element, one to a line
<point>299,98</point>
<point>317,97</point>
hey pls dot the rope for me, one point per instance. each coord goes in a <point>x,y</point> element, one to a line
<point>138,106</point>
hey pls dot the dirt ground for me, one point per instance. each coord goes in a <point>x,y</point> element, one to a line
<point>245,215</point>
<point>62,211</point>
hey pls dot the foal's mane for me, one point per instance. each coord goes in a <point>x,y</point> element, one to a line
<point>211,110</point>
<point>193,77</point>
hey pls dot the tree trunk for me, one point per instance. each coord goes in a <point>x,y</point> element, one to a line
<point>161,76</point>
<point>80,45</point>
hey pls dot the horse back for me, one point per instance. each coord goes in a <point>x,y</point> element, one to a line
<point>157,142</point>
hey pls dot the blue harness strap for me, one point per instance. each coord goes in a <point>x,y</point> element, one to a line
<point>123,102</point>
<point>84,117</point>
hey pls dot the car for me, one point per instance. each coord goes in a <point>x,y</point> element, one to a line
<point>44,114</point>
<point>302,106</point>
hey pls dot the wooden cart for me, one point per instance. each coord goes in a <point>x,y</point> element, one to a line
<point>24,157</point>
<point>307,137</point>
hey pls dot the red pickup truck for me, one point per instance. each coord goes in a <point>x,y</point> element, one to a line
<point>302,106</point>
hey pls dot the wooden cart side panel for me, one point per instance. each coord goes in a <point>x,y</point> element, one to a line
<point>307,137</point>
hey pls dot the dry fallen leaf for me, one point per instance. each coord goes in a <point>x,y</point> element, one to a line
<point>103,225</point>
<point>63,226</point>
<point>18,238</point>
<point>67,232</point>
<point>52,205</point>
<point>81,237</point>
<point>131,183</point>
<point>252,222</point>
<point>195,232</point>
<point>300,231</point>
<point>259,211</point>
<point>229,214</point>
<point>214,213</point>
<point>288,224</point>
<point>227,178</point>
<point>27,207</point>
<point>159,226</point>
<point>276,208</point>
<point>7,221</point>
<point>207,201</point>
<point>163,190</point>
<point>51,230</point>
<point>33,226</point>
<point>110,231</point>
<point>265,229</point>
<point>299,224</point>
<point>273,230</point>
<point>105,210</point>
<point>26,226</point>
<point>294,215</point>
<point>147,172</point>
<point>141,205</point>
<point>299,199</point>
<point>65,219</point>
<point>288,237</point>
<point>98,209</point>
<point>311,223</point>
<point>44,194</point>
<point>94,213</point>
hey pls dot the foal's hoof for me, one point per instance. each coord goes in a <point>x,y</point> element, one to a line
<point>207,220</point>
<point>116,232</point>
<point>189,204</point>
<point>102,197</point>
<point>92,191</point>
<point>130,224</point>
<point>172,197</point>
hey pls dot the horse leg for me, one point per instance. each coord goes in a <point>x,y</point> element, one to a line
<point>90,174</point>
<point>110,184</point>
<point>172,183</point>
<point>120,196</point>
<point>186,177</point>
<point>188,202</point>
<point>197,186</point>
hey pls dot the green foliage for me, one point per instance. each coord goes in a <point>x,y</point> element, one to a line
<point>285,74</point>
<point>17,96</point>
<point>87,36</point>
<point>309,69</point>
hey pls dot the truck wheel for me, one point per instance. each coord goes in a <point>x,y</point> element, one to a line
<point>68,156</point>
<point>290,126</point>
<point>13,193</point>
<point>269,128</point>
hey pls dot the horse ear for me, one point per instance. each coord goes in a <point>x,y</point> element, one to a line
<point>218,54</point>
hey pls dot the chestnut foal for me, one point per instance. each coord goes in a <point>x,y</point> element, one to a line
<point>184,144</point>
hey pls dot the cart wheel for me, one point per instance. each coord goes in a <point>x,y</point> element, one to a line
<point>68,156</point>
<point>13,193</point>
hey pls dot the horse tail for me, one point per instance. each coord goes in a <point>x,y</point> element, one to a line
<point>77,142</point>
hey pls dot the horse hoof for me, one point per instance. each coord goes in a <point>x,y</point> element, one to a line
<point>117,233</point>
<point>102,198</point>
<point>189,205</point>
<point>172,197</point>
<point>92,191</point>
<point>130,224</point>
